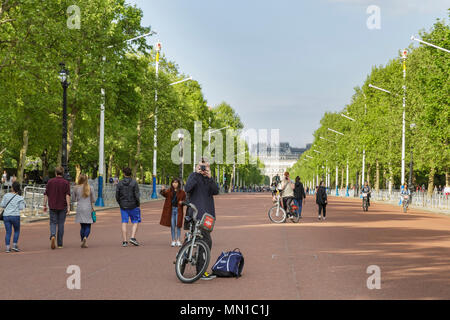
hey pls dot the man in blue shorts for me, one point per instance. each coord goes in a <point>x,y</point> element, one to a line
<point>127,196</point>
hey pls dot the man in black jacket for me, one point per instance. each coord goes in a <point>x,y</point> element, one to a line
<point>201,188</point>
<point>299,194</point>
<point>127,196</point>
<point>321,200</point>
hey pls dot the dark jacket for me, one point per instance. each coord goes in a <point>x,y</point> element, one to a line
<point>166,217</point>
<point>321,196</point>
<point>127,194</point>
<point>201,190</point>
<point>299,191</point>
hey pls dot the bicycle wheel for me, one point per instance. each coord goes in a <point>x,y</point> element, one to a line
<point>277,214</point>
<point>295,217</point>
<point>189,270</point>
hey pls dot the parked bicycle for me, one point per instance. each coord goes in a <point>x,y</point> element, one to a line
<point>195,250</point>
<point>277,213</point>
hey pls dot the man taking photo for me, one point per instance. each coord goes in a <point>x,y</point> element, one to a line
<point>201,188</point>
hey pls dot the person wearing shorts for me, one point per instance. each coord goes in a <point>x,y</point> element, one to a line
<point>127,196</point>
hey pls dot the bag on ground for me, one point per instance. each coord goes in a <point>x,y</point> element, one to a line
<point>229,264</point>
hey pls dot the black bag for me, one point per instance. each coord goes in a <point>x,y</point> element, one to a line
<point>1,213</point>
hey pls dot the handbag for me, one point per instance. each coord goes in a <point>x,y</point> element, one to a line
<point>1,213</point>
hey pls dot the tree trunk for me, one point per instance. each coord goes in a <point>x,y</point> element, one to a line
<point>391,177</point>
<point>59,160</point>
<point>342,179</point>
<point>78,172</point>
<point>431,180</point>
<point>71,126</point>
<point>110,166</point>
<point>142,174</point>
<point>447,178</point>
<point>23,156</point>
<point>368,174</point>
<point>377,177</point>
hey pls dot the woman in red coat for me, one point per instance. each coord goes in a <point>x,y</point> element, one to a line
<point>172,215</point>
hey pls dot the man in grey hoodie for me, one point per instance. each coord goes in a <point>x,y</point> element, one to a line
<point>127,196</point>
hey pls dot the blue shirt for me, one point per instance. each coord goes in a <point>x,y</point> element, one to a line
<point>14,207</point>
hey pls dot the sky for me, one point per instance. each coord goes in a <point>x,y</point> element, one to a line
<point>283,64</point>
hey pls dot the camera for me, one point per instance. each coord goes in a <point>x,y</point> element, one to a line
<point>203,168</point>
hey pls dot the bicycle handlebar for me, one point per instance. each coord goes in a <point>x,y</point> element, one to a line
<point>193,207</point>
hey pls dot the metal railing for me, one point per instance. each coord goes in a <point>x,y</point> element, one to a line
<point>34,197</point>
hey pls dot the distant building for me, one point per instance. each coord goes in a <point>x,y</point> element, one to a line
<point>279,159</point>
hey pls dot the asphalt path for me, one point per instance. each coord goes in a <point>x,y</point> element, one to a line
<point>307,260</point>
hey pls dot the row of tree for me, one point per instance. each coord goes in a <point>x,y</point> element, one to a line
<point>36,35</point>
<point>377,130</point>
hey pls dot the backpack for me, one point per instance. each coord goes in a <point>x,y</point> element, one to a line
<point>229,264</point>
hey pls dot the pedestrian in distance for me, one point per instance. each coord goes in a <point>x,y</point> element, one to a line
<point>172,215</point>
<point>321,200</point>
<point>12,203</point>
<point>201,188</point>
<point>299,195</point>
<point>128,198</point>
<point>57,193</point>
<point>83,195</point>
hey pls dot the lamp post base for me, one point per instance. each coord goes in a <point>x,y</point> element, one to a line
<point>154,195</point>
<point>337,192</point>
<point>99,202</point>
<point>346,193</point>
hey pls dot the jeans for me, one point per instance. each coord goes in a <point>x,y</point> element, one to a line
<point>85,230</point>
<point>298,203</point>
<point>57,218</point>
<point>10,222</point>
<point>173,226</point>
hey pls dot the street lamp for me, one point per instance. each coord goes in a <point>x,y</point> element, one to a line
<point>404,114</point>
<point>155,135</point>
<point>181,137</point>
<point>63,77</point>
<point>101,150</point>
<point>412,126</point>
<point>429,44</point>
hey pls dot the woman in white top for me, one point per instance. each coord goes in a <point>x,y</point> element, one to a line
<point>12,203</point>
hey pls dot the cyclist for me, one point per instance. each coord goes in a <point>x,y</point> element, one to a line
<point>366,189</point>
<point>405,191</point>
<point>287,191</point>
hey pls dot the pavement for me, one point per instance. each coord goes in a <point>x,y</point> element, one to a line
<point>308,260</point>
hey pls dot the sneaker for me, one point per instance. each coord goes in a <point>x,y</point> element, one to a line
<point>124,244</point>
<point>8,250</point>
<point>53,242</point>
<point>83,243</point>
<point>178,244</point>
<point>207,276</point>
<point>134,241</point>
<point>16,249</point>
<point>324,218</point>
<point>173,244</point>
<point>60,247</point>
<point>320,217</point>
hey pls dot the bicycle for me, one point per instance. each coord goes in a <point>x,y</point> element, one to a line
<point>405,202</point>
<point>193,248</point>
<point>277,214</point>
<point>365,202</point>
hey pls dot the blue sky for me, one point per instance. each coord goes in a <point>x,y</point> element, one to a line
<point>282,64</point>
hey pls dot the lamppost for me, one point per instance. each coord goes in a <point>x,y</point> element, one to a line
<point>181,137</point>
<point>64,78</point>
<point>404,54</point>
<point>101,150</point>
<point>412,126</point>
<point>429,44</point>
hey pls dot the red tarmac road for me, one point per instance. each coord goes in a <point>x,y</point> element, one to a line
<point>308,260</point>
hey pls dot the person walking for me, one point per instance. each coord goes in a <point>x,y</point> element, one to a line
<point>287,191</point>
<point>201,188</point>
<point>12,203</point>
<point>57,192</point>
<point>321,200</point>
<point>172,215</point>
<point>299,195</point>
<point>128,198</point>
<point>83,195</point>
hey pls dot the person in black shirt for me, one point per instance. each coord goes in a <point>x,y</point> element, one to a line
<point>201,188</point>
<point>299,194</point>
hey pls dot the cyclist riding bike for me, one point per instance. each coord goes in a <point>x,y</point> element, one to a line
<point>366,189</point>
<point>287,191</point>
<point>405,191</point>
